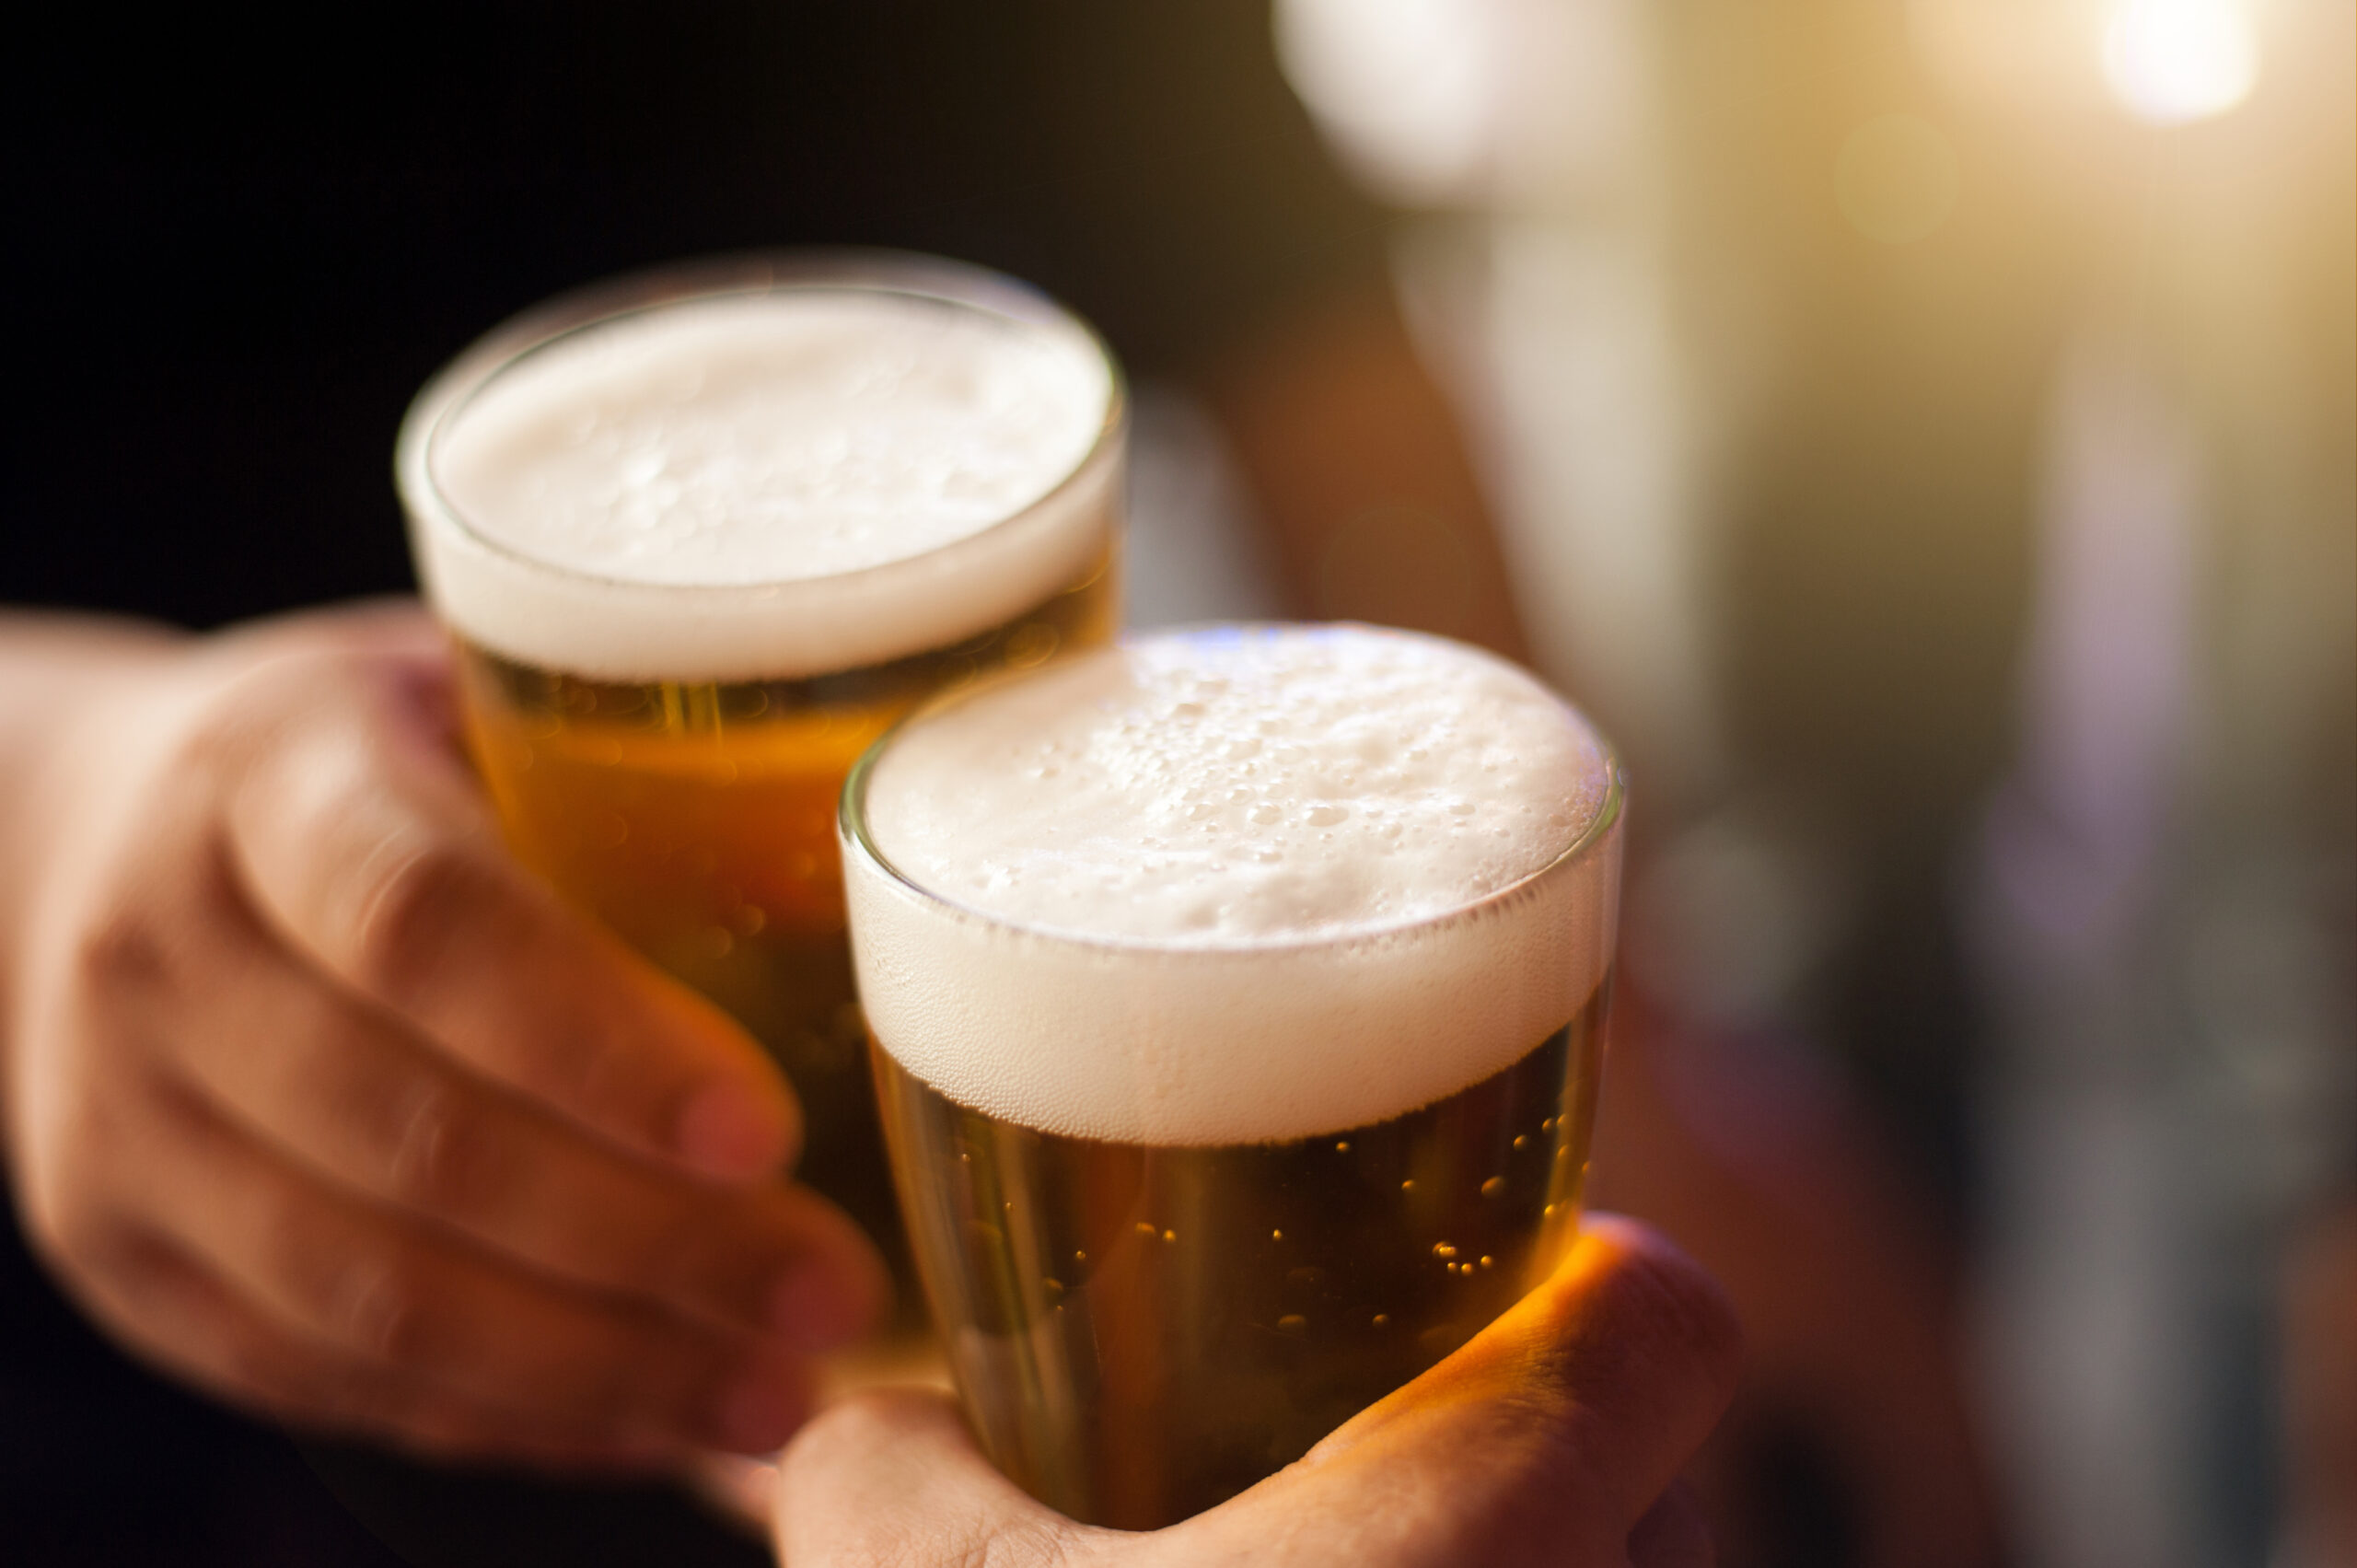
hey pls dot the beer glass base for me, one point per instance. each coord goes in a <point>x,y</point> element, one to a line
<point>1141,1334</point>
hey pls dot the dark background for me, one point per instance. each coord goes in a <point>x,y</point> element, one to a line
<point>239,241</point>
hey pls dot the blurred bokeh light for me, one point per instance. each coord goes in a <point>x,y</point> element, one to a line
<point>2174,61</point>
<point>1924,434</point>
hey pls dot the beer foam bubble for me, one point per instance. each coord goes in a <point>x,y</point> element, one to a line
<point>765,484</point>
<point>1233,884</point>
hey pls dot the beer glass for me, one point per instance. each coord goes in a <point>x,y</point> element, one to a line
<point>699,537</point>
<point>1237,997</point>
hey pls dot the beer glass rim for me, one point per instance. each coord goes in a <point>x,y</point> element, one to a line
<point>852,827</point>
<point>564,317</point>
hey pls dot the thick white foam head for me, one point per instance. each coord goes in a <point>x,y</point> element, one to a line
<point>1233,884</point>
<point>762,484</point>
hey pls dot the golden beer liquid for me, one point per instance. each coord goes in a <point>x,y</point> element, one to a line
<point>1138,1333</point>
<point>697,821</point>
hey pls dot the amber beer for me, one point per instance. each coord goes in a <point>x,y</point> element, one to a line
<point>701,539</point>
<point>1237,998</point>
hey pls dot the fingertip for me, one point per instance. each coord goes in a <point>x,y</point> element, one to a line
<point>1650,1279</point>
<point>832,1288</point>
<point>736,1117</point>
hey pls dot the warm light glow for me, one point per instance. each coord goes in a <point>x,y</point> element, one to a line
<point>1406,88</point>
<point>1896,179</point>
<point>2171,61</point>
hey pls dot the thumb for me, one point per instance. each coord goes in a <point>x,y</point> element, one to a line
<point>1545,1439</point>
<point>895,1477</point>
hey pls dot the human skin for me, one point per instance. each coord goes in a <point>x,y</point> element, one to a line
<point>1554,1436</point>
<point>309,1097</point>
<point>124,704</point>
<point>312,1097</point>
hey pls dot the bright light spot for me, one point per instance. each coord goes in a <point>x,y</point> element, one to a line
<point>2171,61</point>
<point>1896,179</point>
<point>1407,88</point>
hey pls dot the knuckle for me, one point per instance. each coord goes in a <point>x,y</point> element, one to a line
<point>379,1300</point>
<point>294,1261</point>
<point>254,714</point>
<point>411,907</point>
<point>272,686</point>
<point>385,1307</point>
<point>69,1182</point>
<point>290,1383</point>
<point>441,1157</point>
<point>69,1225</point>
<point>121,954</point>
<point>586,1057</point>
<point>597,1063</point>
<point>594,1065</point>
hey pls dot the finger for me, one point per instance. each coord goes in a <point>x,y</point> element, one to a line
<point>394,1295</point>
<point>394,624</point>
<point>894,1477</point>
<point>739,1489</point>
<point>1673,1534</point>
<point>370,851</point>
<point>1623,1360</point>
<point>351,1093</point>
<point>1544,1439</point>
<point>174,1312</point>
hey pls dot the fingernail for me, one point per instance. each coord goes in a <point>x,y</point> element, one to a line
<point>813,1311</point>
<point>756,1415</point>
<point>723,1133</point>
